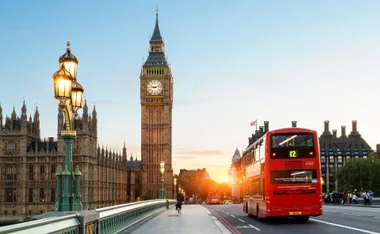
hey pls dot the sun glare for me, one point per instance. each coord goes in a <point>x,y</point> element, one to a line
<point>225,180</point>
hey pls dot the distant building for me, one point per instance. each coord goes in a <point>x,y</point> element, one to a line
<point>191,176</point>
<point>336,151</point>
<point>28,165</point>
<point>234,181</point>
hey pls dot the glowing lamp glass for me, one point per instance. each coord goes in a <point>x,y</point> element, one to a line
<point>77,95</point>
<point>71,66</point>
<point>162,165</point>
<point>62,82</point>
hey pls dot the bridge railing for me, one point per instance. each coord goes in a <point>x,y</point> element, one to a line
<point>103,220</point>
<point>65,224</point>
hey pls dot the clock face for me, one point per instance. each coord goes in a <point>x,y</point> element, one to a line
<point>154,87</point>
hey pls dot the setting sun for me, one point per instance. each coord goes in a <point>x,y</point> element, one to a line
<point>225,180</point>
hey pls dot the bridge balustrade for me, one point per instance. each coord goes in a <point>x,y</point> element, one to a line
<point>98,221</point>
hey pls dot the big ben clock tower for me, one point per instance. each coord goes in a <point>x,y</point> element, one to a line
<point>156,96</point>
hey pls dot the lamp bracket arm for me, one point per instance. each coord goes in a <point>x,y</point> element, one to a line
<point>68,111</point>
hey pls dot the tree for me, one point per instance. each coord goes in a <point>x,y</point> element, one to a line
<point>360,174</point>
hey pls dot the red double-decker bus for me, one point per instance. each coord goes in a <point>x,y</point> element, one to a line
<point>284,178</point>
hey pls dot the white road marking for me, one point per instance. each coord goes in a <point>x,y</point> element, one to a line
<point>233,216</point>
<point>240,227</point>
<point>241,220</point>
<point>376,217</point>
<point>258,229</point>
<point>344,226</point>
<point>227,213</point>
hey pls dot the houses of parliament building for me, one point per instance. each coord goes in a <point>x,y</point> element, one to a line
<point>28,166</point>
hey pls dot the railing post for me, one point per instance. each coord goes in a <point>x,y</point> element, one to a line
<point>89,222</point>
<point>58,197</point>
<point>77,204</point>
<point>66,196</point>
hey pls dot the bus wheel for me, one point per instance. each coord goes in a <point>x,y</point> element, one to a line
<point>258,214</point>
<point>246,209</point>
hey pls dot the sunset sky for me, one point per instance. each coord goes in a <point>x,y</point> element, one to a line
<point>232,62</point>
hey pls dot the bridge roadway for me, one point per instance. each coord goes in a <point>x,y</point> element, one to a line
<point>231,219</point>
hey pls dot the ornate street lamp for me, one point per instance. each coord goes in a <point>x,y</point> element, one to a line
<point>162,169</point>
<point>69,93</point>
<point>175,188</point>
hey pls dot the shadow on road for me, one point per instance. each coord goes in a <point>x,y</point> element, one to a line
<point>286,220</point>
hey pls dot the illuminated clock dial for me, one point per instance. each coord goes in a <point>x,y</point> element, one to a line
<point>154,87</point>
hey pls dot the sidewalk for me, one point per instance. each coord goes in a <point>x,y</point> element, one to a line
<point>193,219</point>
<point>354,205</point>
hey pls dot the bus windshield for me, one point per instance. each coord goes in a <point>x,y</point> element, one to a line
<point>292,140</point>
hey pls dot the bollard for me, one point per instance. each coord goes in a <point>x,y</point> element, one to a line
<point>167,204</point>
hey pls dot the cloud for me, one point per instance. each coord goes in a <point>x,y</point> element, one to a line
<point>104,102</point>
<point>185,102</point>
<point>200,152</point>
<point>207,166</point>
<point>185,157</point>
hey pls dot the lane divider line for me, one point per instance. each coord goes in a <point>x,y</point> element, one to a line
<point>241,220</point>
<point>258,229</point>
<point>233,216</point>
<point>344,226</point>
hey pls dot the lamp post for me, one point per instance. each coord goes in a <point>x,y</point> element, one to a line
<point>69,93</point>
<point>175,188</point>
<point>162,169</point>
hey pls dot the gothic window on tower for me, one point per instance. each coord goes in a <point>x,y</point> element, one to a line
<point>31,172</point>
<point>10,172</point>
<point>52,195</point>
<point>10,194</point>
<point>30,195</point>
<point>42,172</point>
<point>11,147</point>
<point>42,195</point>
<point>52,172</point>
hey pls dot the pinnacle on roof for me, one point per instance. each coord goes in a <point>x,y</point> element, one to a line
<point>156,37</point>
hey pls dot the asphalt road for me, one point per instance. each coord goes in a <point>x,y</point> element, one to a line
<point>336,219</point>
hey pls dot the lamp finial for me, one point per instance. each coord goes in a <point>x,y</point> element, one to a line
<point>68,46</point>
